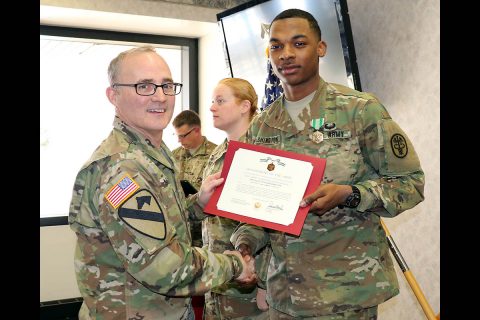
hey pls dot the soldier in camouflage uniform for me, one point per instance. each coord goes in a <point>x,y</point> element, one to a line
<point>339,267</point>
<point>134,258</point>
<point>195,149</point>
<point>234,103</point>
<point>191,157</point>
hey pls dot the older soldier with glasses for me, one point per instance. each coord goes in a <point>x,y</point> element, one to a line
<point>134,258</point>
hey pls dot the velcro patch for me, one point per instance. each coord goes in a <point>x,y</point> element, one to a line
<point>121,191</point>
<point>337,134</point>
<point>267,140</point>
<point>143,213</point>
<point>400,156</point>
<point>399,145</point>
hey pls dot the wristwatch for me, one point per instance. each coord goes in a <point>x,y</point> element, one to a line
<point>353,199</point>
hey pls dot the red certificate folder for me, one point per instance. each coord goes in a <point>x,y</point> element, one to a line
<point>296,227</point>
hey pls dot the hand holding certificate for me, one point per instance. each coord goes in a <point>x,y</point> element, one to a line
<point>264,186</point>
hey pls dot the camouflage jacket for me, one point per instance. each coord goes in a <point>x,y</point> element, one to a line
<point>191,166</point>
<point>216,232</point>
<point>133,258</point>
<point>341,259</point>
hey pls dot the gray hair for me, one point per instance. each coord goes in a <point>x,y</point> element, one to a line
<point>115,64</point>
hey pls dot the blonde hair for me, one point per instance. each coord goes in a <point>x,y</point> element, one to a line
<point>243,90</point>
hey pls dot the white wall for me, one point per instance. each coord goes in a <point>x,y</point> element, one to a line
<point>57,275</point>
<point>212,68</point>
<point>398,53</point>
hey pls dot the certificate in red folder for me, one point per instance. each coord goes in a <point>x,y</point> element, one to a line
<point>264,186</point>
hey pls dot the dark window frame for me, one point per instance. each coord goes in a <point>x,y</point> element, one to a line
<point>191,43</point>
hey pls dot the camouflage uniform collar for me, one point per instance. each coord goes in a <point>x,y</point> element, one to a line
<point>223,147</point>
<point>220,149</point>
<point>132,136</point>
<point>316,112</point>
<point>276,116</point>
<point>202,149</point>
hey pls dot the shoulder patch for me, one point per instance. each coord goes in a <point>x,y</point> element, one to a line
<point>121,191</point>
<point>399,145</point>
<point>143,213</point>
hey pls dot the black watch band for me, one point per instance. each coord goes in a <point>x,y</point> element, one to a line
<point>353,199</point>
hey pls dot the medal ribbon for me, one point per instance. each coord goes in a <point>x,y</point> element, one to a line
<point>317,123</point>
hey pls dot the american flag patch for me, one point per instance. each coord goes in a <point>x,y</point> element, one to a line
<point>121,191</point>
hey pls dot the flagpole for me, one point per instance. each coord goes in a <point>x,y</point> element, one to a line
<point>409,276</point>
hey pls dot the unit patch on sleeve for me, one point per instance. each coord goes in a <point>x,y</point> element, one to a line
<point>121,191</point>
<point>399,145</point>
<point>143,213</point>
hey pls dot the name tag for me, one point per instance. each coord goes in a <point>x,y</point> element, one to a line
<point>268,140</point>
<point>337,134</point>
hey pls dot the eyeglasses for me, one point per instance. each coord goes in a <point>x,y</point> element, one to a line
<point>181,136</point>
<point>149,89</point>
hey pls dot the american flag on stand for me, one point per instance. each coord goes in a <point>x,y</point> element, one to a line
<point>273,88</point>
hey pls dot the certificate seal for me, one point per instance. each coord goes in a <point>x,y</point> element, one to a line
<point>271,167</point>
<point>257,205</point>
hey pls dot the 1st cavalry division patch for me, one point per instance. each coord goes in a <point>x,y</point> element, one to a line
<point>143,213</point>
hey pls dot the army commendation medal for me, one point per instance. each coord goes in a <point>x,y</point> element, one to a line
<point>317,136</point>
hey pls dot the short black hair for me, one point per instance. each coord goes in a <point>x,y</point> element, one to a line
<point>188,117</point>
<point>297,13</point>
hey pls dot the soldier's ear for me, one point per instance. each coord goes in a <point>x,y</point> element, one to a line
<point>245,106</point>
<point>321,48</point>
<point>111,95</point>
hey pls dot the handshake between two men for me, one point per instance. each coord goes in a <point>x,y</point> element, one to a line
<point>248,275</point>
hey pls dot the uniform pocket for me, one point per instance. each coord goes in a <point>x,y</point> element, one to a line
<point>343,160</point>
